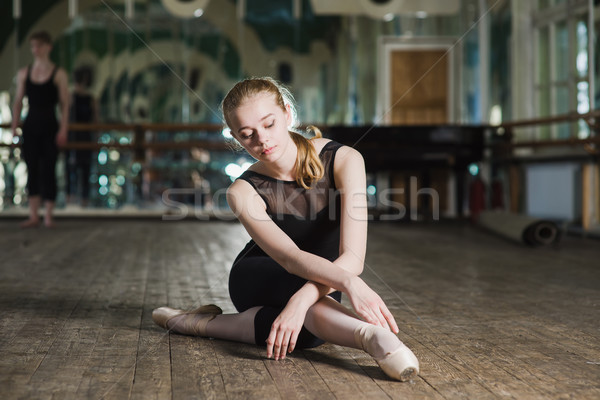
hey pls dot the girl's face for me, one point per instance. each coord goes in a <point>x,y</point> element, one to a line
<point>261,127</point>
<point>39,48</point>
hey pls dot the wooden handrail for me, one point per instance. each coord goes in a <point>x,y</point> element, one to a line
<point>117,126</point>
<point>551,143</point>
<point>587,143</point>
<point>572,116</point>
<point>188,144</point>
<point>139,142</point>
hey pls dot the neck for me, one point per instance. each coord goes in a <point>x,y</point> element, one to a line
<point>42,61</point>
<point>284,168</point>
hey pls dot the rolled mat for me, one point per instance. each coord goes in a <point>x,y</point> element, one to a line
<point>522,228</point>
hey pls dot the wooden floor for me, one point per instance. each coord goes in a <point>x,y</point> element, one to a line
<point>486,317</point>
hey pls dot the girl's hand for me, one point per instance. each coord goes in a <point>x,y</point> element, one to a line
<point>285,331</point>
<point>369,306</point>
<point>61,138</point>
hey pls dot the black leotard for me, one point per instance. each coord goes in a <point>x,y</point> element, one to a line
<point>311,218</point>
<point>39,137</point>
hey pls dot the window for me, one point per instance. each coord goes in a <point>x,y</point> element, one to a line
<point>562,72</point>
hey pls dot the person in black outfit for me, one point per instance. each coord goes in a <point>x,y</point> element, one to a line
<point>46,86</point>
<point>304,205</point>
<point>83,110</point>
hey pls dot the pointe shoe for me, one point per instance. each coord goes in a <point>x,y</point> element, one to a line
<point>190,326</point>
<point>400,364</point>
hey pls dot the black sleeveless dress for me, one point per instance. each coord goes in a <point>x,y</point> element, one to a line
<point>311,218</point>
<point>39,137</point>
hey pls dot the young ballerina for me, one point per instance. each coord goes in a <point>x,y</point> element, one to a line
<point>46,86</point>
<point>304,205</point>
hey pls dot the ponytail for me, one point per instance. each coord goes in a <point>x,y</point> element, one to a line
<point>309,167</point>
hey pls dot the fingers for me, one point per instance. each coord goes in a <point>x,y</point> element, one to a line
<point>271,342</point>
<point>378,314</point>
<point>280,342</point>
<point>293,341</point>
<point>370,306</point>
<point>369,316</point>
<point>390,320</point>
<point>283,346</point>
<point>277,347</point>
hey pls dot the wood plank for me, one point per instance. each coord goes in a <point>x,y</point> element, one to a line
<point>196,372</point>
<point>152,379</point>
<point>296,378</point>
<point>243,371</point>
<point>342,375</point>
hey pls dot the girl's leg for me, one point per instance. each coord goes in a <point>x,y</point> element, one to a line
<point>49,219</point>
<point>237,327</point>
<point>334,323</point>
<point>34,207</point>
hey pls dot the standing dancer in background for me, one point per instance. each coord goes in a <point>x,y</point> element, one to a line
<point>304,205</point>
<point>45,85</point>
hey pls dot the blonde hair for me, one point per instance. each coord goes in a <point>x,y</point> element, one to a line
<point>309,168</point>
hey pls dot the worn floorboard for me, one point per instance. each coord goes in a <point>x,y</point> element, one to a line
<point>487,318</point>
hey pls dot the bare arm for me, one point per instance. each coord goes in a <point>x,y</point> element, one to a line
<point>351,181</point>
<point>18,103</point>
<point>61,81</point>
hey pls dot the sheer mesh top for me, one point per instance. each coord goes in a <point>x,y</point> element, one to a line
<point>310,217</point>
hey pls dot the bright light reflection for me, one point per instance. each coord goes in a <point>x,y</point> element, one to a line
<point>102,157</point>
<point>473,169</point>
<point>233,170</point>
<point>226,132</point>
<point>583,100</point>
